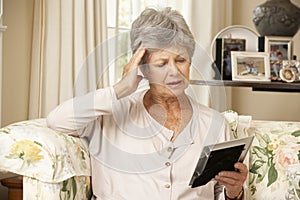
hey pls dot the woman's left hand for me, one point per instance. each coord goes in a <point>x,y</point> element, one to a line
<point>130,79</point>
<point>233,180</point>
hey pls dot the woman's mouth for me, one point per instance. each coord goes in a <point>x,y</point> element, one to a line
<point>174,84</point>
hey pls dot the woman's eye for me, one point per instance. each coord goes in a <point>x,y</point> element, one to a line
<point>180,60</point>
<point>160,65</point>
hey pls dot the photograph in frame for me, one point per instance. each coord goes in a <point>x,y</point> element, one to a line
<point>224,46</point>
<point>279,49</point>
<point>250,66</point>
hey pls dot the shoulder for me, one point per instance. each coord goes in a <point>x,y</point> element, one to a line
<point>136,97</point>
<point>212,121</point>
<point>206,113</point>
<point>128,104</point>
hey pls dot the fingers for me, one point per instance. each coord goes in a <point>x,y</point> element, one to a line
<point>138,55</point>
<point>241,170</point>
<point>241,167</point>
<point>135,60</point>
<point>233,177</point>
<point>233,180</point>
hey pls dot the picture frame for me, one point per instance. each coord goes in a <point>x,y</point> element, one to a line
<point>250,66</point>
<point>219,157</point>
<point>224,46</point>
<point>290,71</point>
<point>275,44</point>
<point>279,49</point>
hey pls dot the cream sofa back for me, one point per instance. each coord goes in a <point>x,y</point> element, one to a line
<point>276,145</point>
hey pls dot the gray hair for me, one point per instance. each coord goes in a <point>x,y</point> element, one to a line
<point>160,29</point>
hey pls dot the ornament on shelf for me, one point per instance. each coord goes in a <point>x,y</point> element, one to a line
<point>277,18</point>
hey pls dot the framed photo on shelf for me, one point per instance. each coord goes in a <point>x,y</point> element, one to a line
<point>279,48</point>
<point>250,66</point>
<point>224,46</point>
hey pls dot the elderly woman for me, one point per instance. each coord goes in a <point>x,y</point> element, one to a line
<point>146,144</point>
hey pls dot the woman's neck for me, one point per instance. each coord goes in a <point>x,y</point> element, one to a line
<point>166,101</point>
<point>173,112</point>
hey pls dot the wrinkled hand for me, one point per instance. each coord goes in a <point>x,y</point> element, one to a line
<point>130,79</point>
<point>233,180</point>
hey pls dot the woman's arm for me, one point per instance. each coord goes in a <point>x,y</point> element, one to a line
<point>76,113</point>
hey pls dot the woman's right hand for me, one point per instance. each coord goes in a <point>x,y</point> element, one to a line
<point>130,78</point>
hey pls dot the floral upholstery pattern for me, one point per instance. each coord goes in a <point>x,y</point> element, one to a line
<point>47,159</point>
<point>57,166</point>
<point>276,145</point>
<point>77,188</point>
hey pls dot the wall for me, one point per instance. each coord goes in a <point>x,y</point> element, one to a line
<point>264,105</point>
<point>18,15</point>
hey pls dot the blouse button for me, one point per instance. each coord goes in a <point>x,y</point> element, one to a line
<point>167,186</point>
<point>167,164</point>
<point>170,149</point>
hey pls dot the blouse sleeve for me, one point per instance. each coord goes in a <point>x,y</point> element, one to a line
<point>77,113</point>
<point>219,192</point>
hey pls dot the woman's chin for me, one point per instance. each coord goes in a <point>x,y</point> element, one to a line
<point>170,90</point>
<point>177,90</point>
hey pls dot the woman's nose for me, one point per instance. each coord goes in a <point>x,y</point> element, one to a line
<point>173,68</point>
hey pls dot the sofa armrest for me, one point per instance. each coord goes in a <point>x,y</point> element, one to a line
<point>31,149</point>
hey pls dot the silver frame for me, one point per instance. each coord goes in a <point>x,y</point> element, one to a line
<point>278,40</point>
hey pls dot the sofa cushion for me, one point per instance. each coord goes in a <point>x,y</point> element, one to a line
<point>276,145</point>
<point>31,149</point>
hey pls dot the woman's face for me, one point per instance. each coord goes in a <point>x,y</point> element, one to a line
<point>168,70</point>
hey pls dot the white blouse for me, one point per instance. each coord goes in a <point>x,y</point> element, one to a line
<point>132,156</point>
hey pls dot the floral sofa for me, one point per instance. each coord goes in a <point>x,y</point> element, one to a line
<point>56,166</point>
<point>276,146</point>
<point>53,165</point>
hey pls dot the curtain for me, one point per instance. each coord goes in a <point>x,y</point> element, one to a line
<point>69,56</point>
<point>214,15</point>
<point>70,50</point>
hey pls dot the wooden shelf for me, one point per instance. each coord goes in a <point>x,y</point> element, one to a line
<point>256,86</point>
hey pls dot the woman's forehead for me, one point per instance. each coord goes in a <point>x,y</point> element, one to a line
<point>175,50</point>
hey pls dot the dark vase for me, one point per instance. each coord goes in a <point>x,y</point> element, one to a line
<point>277,18</point>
